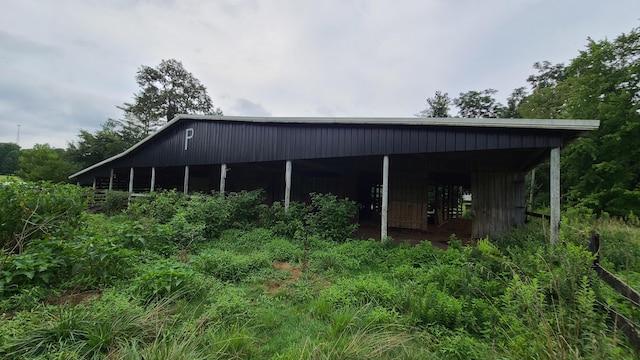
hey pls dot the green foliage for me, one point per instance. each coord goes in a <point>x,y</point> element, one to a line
<point>160,206</point>
<point>478,104</point>
<point>165,278</point>
<point>230,266</point>
<point>361,290</point>
<point>331,218</point>
<point>510,297</point>
<point>600,171</point>
<point>280,249</point>
<point>285,223</point>
<point>110,140</point>
<point>166,91</point>
<point>437,106</point>
<point>115,201</point>
<point>45,163</point>
<point>9,154</point>
<point>429,305</point>
<point>30,211</point>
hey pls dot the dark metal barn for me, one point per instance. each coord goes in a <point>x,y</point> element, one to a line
<point>406,172</point>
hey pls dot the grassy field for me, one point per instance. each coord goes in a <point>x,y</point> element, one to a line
<point>207,278</point>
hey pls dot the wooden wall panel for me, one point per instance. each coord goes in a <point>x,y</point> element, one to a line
<point>498,202</point>
<point>408,200</point>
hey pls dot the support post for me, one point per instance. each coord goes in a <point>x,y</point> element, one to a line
<point>111,180</point>
<point>186,179</point>
<point>287,185</point>
<point>153,179</point>
<point>131,181</point>
<point>554,185</point>
<point>531,188</point>
<point>385,198</point>
<point>94,183</point>
<point>223,178</point>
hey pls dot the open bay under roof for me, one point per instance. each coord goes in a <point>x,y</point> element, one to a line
<point>430,161</point>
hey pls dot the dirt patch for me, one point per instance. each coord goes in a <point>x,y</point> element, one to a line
<point>438,234</point>
<point>74,298</point>
<point>294,275</point>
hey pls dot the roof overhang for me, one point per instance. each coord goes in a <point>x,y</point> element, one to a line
<point>577,126</point>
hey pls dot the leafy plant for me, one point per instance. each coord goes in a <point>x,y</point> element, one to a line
<point>331,218</point>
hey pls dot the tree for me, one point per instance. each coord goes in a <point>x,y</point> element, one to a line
<point>437,106</point>
<point>44,163</point>
<point>478,104</point>
<point>549,92</point>
<point>110,140</point>
<point>9,154</point>
<point>512,110</point>
<point>166,90</point>
<point>602,171</point>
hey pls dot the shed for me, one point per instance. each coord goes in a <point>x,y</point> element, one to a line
<point>405,172</point>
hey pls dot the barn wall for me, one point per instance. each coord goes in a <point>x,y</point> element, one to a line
<point>216,142</point>
<point>498,202</point>
<point>408,200</point>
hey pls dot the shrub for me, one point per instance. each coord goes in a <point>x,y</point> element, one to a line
<point>331,218</point>
<point>164,278</point>
<point>362,290</point>
<point>283,250</point>
<point>85,259</point>
<point>230,266</point>
<point>30,211</point>
<point>160,206</point>
<point>288,223</point>
<point>115,201</point>
<point>428,305</point>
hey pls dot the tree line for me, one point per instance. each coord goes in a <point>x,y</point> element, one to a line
<point>600,171</point>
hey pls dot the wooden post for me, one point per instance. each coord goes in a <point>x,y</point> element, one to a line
<point>531,189</point>
<point>554,185</point>
<point>287,185</point>
<point>94,183</point>
<point>223,177</point>
<point>385,198</point>
<point>186,179</point>
<point>153,179</point>
<point>131,181</point>
<point>111,180</point>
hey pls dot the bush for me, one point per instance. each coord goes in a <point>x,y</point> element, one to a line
<point>115,201</point>
<point>365,289</point>
<point>288,223</point>
<point>230,266</point>
<point>332,218</point>
<point>87,260</point>
<point>160,206</point>
<point>283,250</point>
<point>164,278</point>
<point>30,211</point>
<point>428,306</point>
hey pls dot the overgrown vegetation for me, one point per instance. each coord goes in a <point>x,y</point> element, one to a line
<point>213,277</point>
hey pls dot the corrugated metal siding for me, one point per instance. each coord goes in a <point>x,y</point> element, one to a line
<point>216,142</point>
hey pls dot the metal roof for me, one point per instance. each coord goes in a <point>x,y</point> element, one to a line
<point>573,127</point>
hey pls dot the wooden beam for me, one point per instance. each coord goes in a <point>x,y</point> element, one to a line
<point>385,198</point>
<point>554,185</point>
<point>153,179</point>
<point>223,178</point>
<point>186,179</point>
<point>287,185</point>
<point>131,181</point>
<point>111,180</point>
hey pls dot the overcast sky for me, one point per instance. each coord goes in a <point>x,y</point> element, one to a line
<point>65,65</point>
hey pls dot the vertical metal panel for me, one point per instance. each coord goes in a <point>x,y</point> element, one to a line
<point>432,141</point>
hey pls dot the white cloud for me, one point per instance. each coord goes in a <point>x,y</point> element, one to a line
<point>67,64</point>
